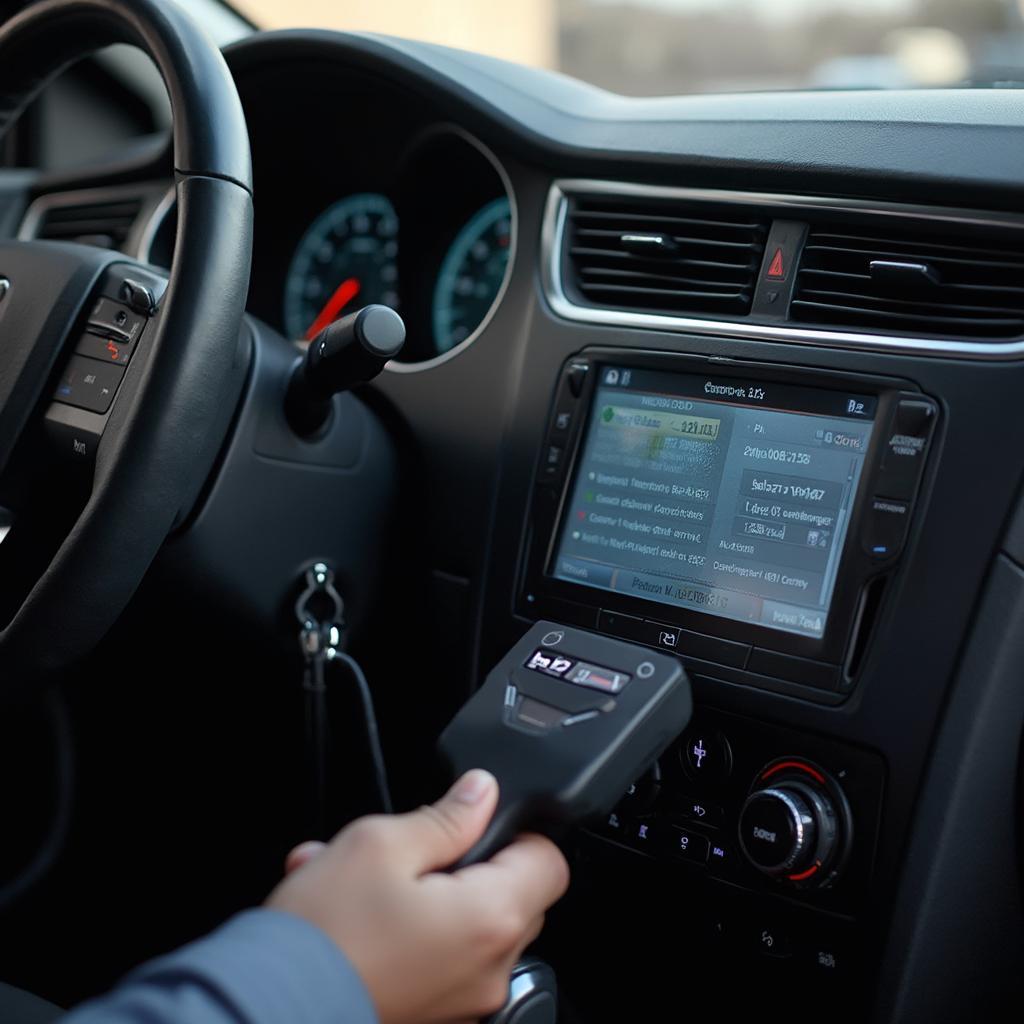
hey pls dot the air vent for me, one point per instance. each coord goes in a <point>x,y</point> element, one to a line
<point>911,280</point>
<point>663,256</point>
<point>105,223</point>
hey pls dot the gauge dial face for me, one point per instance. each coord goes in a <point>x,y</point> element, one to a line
<point>347,259</point>
<point>472,274</point>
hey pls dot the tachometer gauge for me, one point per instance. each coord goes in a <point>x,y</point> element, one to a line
<point>472,274</point>
<point>348,258</point>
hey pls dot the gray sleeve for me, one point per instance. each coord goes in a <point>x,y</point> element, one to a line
<point>262,967</point>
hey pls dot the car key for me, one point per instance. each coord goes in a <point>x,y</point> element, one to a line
<point>565,722</point>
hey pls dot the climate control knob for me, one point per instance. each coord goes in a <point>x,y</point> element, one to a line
<point>790,830</point>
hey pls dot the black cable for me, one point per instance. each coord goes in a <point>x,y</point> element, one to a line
<point>372,733</point>
<point>317,744</point>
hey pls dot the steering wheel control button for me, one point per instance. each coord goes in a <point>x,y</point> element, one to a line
<point>686,846</point>
<point>706,755</point>
<point>89,384</point>
<point>106,349</point>
<point>886,528</point>
<point>138,297</point>
<point>115,319</point>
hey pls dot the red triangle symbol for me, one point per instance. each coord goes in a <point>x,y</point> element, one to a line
<point>776,269</point>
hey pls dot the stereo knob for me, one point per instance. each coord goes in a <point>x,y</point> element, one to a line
<point>790,831</point>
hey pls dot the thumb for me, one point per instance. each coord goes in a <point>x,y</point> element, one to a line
<point>437,835</point>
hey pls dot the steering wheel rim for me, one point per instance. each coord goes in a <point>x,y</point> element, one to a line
<point>161,434</point>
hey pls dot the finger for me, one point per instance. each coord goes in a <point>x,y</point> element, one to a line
<point>438,835</point>
<point>532,868</point>
<point>302,854</point>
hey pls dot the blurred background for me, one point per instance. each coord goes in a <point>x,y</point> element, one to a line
<point>662,47</point>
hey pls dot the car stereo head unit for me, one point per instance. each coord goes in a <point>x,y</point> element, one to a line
<point>732,512</point>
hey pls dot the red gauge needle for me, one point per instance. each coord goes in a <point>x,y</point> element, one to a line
<point>343,295</point>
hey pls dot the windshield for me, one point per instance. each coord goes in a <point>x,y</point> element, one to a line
<point>668,47</point>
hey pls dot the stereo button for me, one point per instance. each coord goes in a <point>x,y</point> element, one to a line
<point>886,528</point>
<point>551,462</point>
<point>905,449</point>
<point>707,756</point>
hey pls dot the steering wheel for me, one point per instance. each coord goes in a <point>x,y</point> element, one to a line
<point>149,452</point>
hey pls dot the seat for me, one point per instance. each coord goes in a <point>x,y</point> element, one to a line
<point>20,1007</point>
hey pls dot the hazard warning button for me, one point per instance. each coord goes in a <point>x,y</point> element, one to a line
<point>778,270</point>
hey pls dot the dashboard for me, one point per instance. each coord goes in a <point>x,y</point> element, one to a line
<point>426,228</point>
<point>733,377</point>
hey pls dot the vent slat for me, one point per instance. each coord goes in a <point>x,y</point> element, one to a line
<point>955,286</point>
<point>711,272</point>
<point>628,259</point>
<point>926,308</point>
<point>616,274</point>
<point>107,224</point>
<point>597,234</point>
<point>974,287</point>
<point>888,315</point>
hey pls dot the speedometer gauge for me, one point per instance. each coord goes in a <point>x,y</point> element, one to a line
<point>348,258</point>
<point>472,274</point>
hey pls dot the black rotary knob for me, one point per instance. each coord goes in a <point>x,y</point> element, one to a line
<point>789,830</point>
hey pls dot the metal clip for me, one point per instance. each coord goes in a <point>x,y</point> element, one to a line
<point>320,635</point>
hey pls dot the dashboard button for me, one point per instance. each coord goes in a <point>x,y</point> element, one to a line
<point>615,826</point>
<point>576,375</point>
<point>561,424</point>
<point>706,754</point>
<point>721,858</point>
<point>886,528</point>
<point>906,448</point>
<point>770,940</point>
<point>826,958</point>
<point>698,809</point>
<point>88,384</point>
<point>551,461</point>
<point>665,637</point>
<point>686,846</point>
<point>645,834</point>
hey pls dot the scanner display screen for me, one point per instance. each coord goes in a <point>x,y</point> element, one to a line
<point>720,495</point>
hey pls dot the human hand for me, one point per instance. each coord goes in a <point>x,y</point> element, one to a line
<point>429,946</point>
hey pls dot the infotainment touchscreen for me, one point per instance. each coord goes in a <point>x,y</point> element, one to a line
<point>721,495</point>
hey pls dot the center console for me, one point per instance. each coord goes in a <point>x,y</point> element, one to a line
<point>751,520</point>
<point>746,519</point>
